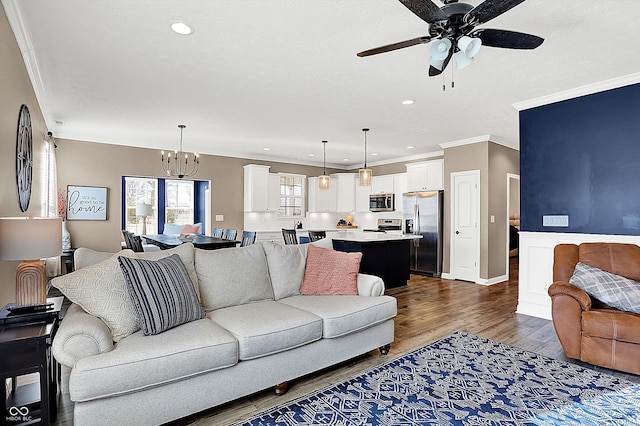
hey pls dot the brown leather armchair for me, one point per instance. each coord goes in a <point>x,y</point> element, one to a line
<point>588,329</point>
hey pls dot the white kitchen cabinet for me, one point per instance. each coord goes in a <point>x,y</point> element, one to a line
<point>273,195</point>
<point>425,176</point>
<point>345,191</point>
<point>382,184</point>
<point>322,200</point>
<point>256,188</point>
<point>362,197</point>
<point>399,188</point>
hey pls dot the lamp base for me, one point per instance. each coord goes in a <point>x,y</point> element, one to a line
<point>31,283</point>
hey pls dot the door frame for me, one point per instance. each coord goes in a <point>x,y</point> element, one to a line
<point>511,178</point>
<point>452,247</point>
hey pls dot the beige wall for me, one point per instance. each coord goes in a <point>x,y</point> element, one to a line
<point>15,90</point>
<point>95,164</point>
<point>494,163</point>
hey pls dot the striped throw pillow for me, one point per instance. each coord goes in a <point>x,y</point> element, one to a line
<point>162,292</point>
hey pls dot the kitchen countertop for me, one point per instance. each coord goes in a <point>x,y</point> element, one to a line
<point>365,237</point>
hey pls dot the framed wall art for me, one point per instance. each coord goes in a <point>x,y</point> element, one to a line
<point>86,203</point>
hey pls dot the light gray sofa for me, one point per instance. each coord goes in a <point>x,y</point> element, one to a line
<point>258,332</point>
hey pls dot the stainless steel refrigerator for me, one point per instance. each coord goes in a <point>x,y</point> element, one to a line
<point>422,215</point>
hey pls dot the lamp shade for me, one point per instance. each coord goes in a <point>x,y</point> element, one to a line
<point>470,46</point>
<point>30,238</point>
<point>144,209</point>
<point>365,176</point>
<point>440,49</point>
<point>324,182</point>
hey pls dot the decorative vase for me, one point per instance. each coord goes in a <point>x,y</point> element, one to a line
<point>66,237</point>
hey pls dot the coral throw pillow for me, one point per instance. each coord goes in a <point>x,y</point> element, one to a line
<point>191,229</point>
<point>330,272</point>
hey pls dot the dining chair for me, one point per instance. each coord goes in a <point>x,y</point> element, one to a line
<point>289,236</point>
<point>248,238</point>
<point>134,242</point>
<point>217,232</point>
<point>229,234</point>
<point>317,235</point>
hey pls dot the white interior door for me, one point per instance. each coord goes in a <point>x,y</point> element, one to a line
<point>465,248</point>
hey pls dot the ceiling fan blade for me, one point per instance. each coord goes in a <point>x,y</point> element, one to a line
<point>433,71</point>
<point>507,39</point>
<point>395,46</point>
<point>425,10</point>
<point>488,10</point>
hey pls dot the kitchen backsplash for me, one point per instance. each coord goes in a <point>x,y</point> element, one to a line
<point>270,221</point>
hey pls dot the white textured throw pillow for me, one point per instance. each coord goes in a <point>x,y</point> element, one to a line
<point>286,267</point>
<point>101,291</point>
<point>614,290</point>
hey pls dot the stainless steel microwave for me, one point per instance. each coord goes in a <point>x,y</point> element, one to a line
<point>382,203</point>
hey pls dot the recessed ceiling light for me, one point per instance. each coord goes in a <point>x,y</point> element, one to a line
<point>410,147</point>
<point>311,155</point>
<point>266,148</point>
<point>181,28</point>
<point>408,102</point>
<point>374,153</point>
<point>345,159</point>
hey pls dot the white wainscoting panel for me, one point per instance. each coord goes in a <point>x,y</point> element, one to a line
<point>536,266</point>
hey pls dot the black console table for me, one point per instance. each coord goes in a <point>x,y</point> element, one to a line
<point>25,348</point>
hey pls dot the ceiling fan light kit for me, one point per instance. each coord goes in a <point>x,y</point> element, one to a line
<point>452,28</point>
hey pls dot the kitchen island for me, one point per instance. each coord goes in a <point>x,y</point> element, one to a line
<point>384,255</point>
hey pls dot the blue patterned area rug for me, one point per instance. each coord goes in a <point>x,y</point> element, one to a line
<point>464,379</point>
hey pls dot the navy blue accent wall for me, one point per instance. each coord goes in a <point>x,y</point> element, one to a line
<point>581,158</point>
<point>200,187</point>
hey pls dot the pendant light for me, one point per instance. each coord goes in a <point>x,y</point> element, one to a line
<point>179,168</point>
<point>365,173</point>
<point>324,181</point>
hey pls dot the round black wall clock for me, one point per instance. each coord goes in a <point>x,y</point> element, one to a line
<point>24,158</point>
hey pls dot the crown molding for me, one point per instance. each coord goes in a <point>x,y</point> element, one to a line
<point>468,141</point>
<point>577,92</point>
<point>14,16</point>
<point>400,159</point>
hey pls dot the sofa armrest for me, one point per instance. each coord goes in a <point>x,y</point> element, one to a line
<point>565,288</point>
<point>370,285</point>
<point>567,304</point>
<point>80,335</point>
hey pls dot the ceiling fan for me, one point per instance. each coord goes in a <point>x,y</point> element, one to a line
<point>453,26</point>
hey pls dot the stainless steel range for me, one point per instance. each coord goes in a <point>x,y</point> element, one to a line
<point>387,225</point>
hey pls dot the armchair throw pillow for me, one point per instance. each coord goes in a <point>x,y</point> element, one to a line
<point>614,290</point>
<point>162,292</point>
<point>330,272</point>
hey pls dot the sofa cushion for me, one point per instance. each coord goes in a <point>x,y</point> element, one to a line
<point>330,272</point>
<point>267,327</point>
<point>86,257</point>
<point>140,362</point>
<point>342,315</point>
<point>233,276</point>
<point>162,293</point>
<point>286,267</point>
<point>101,291</point>
<point>186,253</point>
<point>614,290</point>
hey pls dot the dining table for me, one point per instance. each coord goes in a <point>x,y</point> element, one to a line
<point>205,242</point>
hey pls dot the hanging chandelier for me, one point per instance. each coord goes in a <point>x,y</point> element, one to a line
<point>174,166</point>
<point>324,181</point>
<point>365,173</point>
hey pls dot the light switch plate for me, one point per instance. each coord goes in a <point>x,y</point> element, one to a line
<point>557,220</point>
<point>219,218</point>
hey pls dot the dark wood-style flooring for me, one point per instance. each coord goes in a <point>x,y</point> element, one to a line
<point>428,309</point>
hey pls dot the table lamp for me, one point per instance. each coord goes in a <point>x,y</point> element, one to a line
<point>144,211</point>
<point>30,238</point>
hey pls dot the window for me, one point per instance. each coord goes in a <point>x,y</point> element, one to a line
<point>291,195</point>
<point>140,191</point>
<point>179,202</point>
<point>174,201</point>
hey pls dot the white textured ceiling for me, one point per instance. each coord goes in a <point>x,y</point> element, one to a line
<point>284,74</point>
